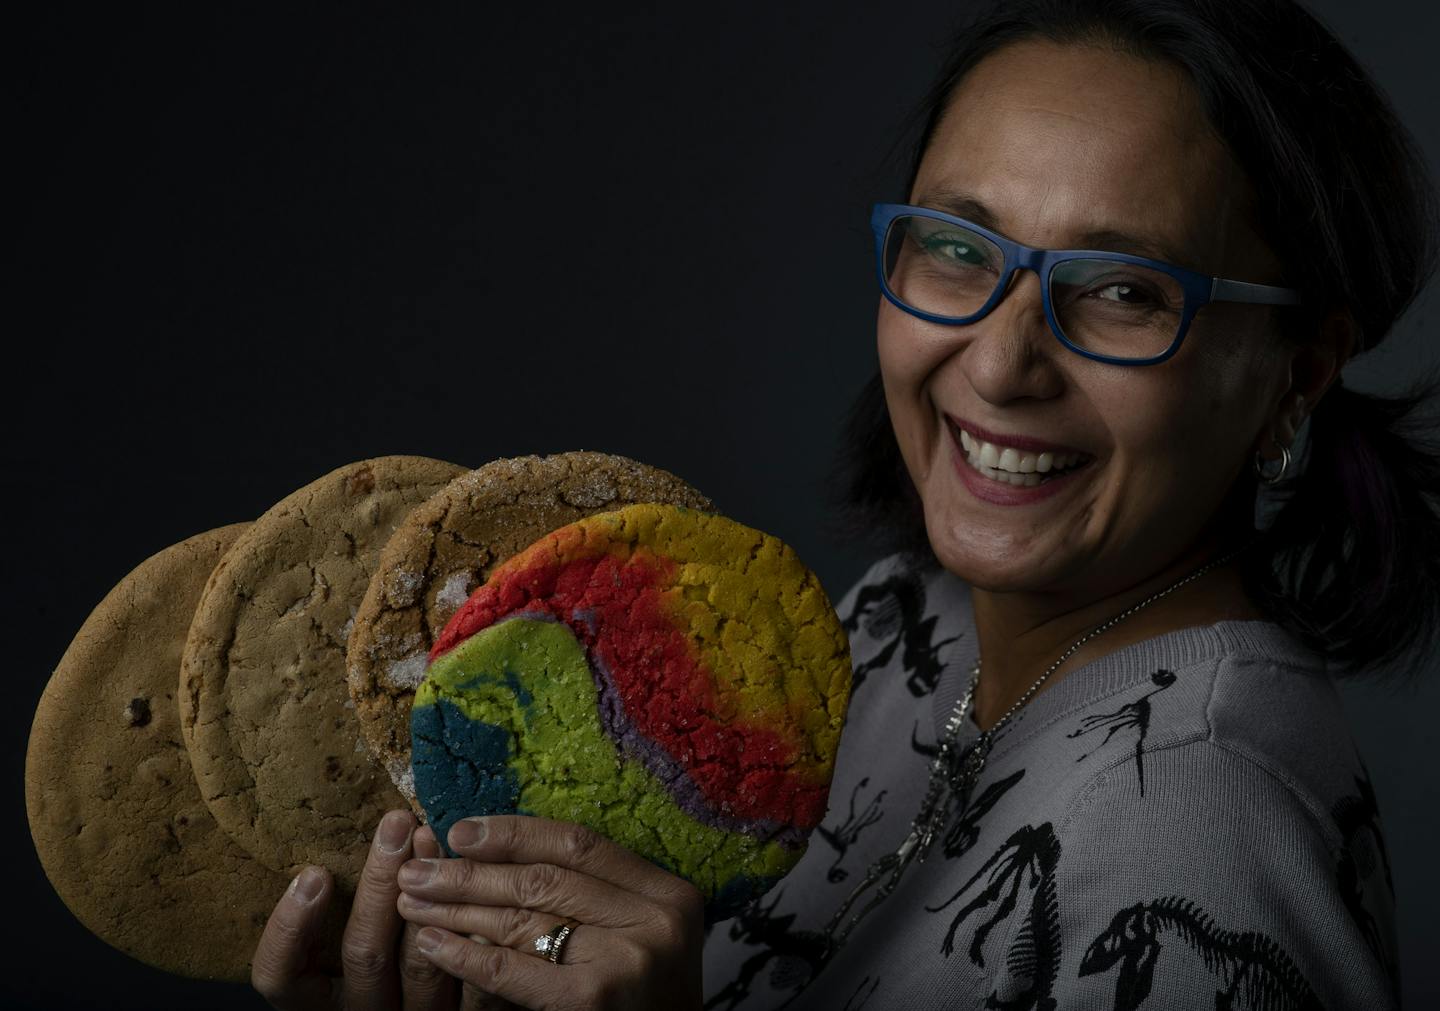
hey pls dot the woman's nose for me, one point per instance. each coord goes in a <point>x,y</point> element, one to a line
<point>1011,352</point>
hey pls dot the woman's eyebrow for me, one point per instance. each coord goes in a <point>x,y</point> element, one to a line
<point>1111,240</point>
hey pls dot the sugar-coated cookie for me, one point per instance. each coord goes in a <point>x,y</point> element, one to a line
<point>670,677</point>
<point>447,547</point>
<point>117,819</point>
<point>263,705</point>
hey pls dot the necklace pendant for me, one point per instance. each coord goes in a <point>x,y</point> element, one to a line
<point>912,841</point>
<point>965,771</point>
<point>926,839</point>
<point>923,836</point>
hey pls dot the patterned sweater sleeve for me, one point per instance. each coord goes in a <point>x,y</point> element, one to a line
<point>1219,885</point>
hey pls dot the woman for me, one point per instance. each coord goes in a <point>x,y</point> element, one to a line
<point>1150,796</point>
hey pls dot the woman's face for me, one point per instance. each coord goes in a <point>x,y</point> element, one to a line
<point>1053,146</point>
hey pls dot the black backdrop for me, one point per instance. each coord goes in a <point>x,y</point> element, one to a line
<point>259,244</point>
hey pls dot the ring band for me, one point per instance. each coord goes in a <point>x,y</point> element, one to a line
<point>552,943</point>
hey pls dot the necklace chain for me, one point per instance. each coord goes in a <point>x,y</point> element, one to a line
<point>960,772</point>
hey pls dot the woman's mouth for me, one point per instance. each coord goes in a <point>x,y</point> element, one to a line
<point>1010,466</point>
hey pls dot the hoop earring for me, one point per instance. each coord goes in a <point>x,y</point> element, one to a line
<point>1279,474</point>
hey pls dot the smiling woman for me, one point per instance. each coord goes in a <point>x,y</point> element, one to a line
<point>1138,244</point>
<point>1032,133</point>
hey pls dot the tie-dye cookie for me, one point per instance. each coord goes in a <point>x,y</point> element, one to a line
<point>669,677</point>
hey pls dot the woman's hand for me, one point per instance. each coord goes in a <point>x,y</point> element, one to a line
<point>383,968</point>
<point>640,932</point>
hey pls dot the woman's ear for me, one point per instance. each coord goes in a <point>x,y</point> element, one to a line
<point>1313,367</point>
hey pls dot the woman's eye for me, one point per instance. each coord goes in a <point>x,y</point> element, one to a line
<point>1126,294</point>
<point>959,251</point>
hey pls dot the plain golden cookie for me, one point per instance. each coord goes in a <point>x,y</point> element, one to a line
<point>448,546</point>
<point>266,717</point>
<point>117,819</point>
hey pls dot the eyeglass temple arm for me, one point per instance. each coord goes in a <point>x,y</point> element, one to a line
<point>1222,290</point>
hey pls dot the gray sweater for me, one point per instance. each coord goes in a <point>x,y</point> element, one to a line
<point>1185,823</point>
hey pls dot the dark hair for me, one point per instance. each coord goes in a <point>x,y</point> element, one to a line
<point>1351,563</point>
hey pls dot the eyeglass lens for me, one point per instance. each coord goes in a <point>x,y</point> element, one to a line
<point>1121,310</point>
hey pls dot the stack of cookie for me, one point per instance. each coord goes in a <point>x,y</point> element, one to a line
<point>239,705</point>
<point>197,745</point>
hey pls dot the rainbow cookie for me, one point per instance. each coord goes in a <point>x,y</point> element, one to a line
<point>669,677</point>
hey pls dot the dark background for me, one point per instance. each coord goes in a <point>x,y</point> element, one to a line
<point>257,245</point>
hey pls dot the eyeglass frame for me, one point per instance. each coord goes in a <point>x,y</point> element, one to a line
<point>1200,289</point>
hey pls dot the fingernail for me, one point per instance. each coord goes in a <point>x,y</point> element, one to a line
<point>429,939</point>
<point>394,832</point>
<point>417,872</point>
<point>307,884</point>
<point>466,832</point>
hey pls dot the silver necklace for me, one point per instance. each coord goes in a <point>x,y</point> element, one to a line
<point>960,772</point>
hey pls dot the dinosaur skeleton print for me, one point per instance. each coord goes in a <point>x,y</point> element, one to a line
<point>1145,833</point>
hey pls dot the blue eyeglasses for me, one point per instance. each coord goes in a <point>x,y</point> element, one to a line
<point>1112,307</point>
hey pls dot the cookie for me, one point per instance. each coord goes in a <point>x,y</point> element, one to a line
<point>447,547</point>
<point>263,706</point>
<point>118,822</point>
<point>672,678</point>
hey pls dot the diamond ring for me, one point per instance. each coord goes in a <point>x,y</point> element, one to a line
<point>551,944</point>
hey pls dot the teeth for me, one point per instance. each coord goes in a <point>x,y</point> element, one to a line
<point>1011,465</point>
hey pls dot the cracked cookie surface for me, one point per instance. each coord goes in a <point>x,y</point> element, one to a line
<point>669,677</point>
<point>264,709</point>
<point>117,818</point>
<point>447,547</point>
